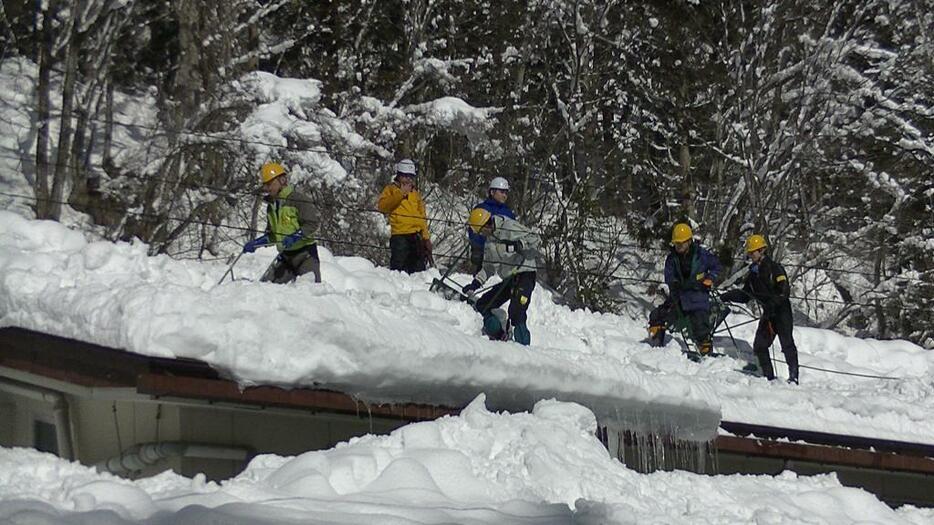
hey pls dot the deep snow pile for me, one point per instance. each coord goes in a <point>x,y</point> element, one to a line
<point>382,336</point>
<point>543,467</point>
<point>379,335</point>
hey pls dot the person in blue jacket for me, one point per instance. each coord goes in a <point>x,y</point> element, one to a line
<point>495,203</point>
<point>690,271</point>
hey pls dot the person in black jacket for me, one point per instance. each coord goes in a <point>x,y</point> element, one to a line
<point>768,284</point>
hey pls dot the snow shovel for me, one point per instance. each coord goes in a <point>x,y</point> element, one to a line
<point>445,289</point>
<point>449,292</point>
<point>230,269</point>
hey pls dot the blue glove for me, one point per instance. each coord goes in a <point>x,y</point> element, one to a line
<point>259,242</point>
<point>289,240</point>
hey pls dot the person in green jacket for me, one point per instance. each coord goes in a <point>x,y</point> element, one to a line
<point>289,225</point>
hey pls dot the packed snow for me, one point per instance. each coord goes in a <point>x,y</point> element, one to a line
<point>382,336</point>
<point>542,467</point>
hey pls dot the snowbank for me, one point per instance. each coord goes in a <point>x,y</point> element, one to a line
<point>543,467</point>
<point>367,331</point>
<point>382,336</point>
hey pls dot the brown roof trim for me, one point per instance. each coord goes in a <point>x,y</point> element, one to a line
<point>87,364</point>
<point>825,438</point>
<point>825,454</point>
<point>298,398</point>
<point>91,365</point>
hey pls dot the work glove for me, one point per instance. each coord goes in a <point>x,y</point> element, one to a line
<point>735,295</point>
<point>259,242</point>
<point>707,282</point>
<point>513,246</point>
<point>472,287</point>
<point>289,240</point>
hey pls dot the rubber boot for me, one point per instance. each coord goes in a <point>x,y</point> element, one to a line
<point>492,327</point>
<point>520,333</point>
<point>792,359</point>
<point>765,364</point>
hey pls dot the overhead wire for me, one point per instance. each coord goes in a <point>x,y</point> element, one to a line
<point>358,244</point>
<point>612,244</point>
<point>246,229</point>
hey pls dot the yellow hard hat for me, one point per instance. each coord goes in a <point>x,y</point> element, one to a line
<point>755,242</point>
<point>681,232</point>
<point>478,219</point>
<point>271,170</point>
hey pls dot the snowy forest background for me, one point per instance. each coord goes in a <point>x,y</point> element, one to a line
<point>811,122</point>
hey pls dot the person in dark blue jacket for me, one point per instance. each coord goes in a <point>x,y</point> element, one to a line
<point>690,271</point>
<point>495,203</point>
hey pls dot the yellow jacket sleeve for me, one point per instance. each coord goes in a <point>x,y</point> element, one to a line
<point>390,199</point>
<point>424,213</point>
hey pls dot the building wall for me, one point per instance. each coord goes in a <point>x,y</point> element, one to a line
<point>19,415</point>
<point>102,428</point>
<point>283,434</point>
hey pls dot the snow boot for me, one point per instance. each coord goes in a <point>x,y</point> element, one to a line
<point>657,335</point>
<point>765,364</point>
<point>493,327</point>
<point>792,359</point>
<point>704,348</point>
<point>520,333</point>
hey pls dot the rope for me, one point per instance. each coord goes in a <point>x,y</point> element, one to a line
<point>840,372</point>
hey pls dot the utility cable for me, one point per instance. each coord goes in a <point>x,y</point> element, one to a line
<point>436,219</point>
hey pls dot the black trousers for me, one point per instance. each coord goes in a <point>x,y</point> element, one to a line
<point>666,314</point>
<point>781,324</point>
<point>517,290</point>
<point>289,265</point>
<point>407,253</point>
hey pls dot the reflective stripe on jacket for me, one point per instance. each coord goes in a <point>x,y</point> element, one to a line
<point>289,212</point>
<point>406,213</point>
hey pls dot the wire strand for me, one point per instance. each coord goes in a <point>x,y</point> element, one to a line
<point>437,219</point>
<point>386,248</point>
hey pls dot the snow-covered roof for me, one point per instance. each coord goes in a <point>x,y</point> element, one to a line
<point>382,336</point>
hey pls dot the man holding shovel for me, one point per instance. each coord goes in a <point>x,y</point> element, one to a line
<point>289,225</point>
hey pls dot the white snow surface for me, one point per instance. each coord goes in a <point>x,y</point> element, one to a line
<point>382,336</point>
<point>543,467</point>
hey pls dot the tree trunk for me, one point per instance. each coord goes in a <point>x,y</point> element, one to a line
<point>43,111</point>
<point>64,169</point>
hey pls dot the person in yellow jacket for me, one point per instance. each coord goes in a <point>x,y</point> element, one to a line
<point>409,241</point>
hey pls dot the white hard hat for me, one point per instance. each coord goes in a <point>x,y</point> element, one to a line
<point>499,183</point>
<point>406,167</point>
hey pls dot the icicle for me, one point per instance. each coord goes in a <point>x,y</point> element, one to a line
<point>651,451</point>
